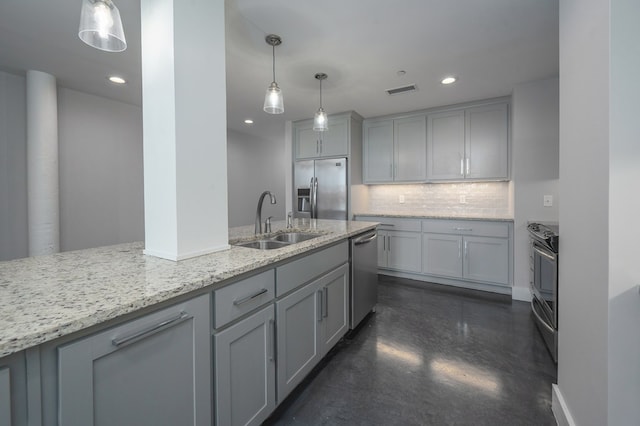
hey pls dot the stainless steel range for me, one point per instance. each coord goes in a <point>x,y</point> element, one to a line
<point>544,281</point>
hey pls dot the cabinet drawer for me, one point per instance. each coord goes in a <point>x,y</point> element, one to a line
<point>393,223</point>
<point>466,227</point>
<point>237,299</point>
<point>300,271</point>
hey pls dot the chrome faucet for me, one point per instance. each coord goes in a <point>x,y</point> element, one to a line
<point>258,228</point>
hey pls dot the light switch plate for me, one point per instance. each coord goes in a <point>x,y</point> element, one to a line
<point>547,201</point>
<point>401,199</point>
<point>463,199</point>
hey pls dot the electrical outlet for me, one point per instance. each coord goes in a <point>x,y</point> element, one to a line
<point>401,199</point>
<point>547,201</point>
<point>463,199</point>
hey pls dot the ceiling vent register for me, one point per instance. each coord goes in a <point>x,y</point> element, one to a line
<point>403,89</point>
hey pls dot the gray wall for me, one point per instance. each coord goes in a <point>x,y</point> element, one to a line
<point>599,348</point>
<point>13,167</point>
<point>101,183</point>
<point>253,166</point>
<point>535,161</point>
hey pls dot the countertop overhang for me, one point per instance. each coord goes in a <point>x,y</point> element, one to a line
<point>46,297</point>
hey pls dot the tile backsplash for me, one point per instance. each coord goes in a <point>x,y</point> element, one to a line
<point>473,199</point>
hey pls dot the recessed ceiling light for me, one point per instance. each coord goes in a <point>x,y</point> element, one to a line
<point>248,121</point>
<point>401,73</point>
<point>117,80</point>
<point>448,80</point>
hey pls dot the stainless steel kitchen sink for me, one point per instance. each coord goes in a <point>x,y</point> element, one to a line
<point>263,244</point>
<point>278,241</point>
<point>295,237</point>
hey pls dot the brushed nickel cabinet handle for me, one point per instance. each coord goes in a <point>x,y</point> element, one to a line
<point>148,331</point>
<point>250,297</point>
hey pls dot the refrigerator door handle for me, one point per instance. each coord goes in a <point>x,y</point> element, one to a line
<point>311,198</point>
<point>314,207</point>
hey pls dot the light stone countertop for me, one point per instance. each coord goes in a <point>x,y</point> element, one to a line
<point>437,215</point>
<point>45,297</point>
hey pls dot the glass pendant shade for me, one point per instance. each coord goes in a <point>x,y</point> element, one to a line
<point>273,102</point>
<point>101,27</point>
<point>320,120</point>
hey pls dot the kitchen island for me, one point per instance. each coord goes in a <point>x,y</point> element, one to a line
<point>49,304</point>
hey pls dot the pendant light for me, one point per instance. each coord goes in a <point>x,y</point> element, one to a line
<point>273,103</point>
<point>101,27</point>
<point>320,119</point>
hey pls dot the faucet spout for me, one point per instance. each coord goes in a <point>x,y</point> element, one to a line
<point>258,226</point>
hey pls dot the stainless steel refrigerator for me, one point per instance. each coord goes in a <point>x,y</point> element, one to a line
<point>321,189</point>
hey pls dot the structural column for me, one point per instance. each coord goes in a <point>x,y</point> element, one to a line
<point>184,122</point>
<point>42,164</point>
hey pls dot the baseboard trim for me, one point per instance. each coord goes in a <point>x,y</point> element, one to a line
<point>500,289</point>
<point>521,293</point>
<point>559,407</point>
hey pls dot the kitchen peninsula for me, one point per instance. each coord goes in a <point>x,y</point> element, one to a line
<point>64,316</point>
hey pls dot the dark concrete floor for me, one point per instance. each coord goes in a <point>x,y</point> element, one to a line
<point>431,355</point>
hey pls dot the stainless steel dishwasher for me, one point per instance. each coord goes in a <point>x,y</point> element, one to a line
<point>364,276</point>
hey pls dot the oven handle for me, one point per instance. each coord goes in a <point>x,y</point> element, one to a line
<point>541,321</point>
<point>544,253</point>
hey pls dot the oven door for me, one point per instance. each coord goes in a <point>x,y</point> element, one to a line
<point>544,284</point>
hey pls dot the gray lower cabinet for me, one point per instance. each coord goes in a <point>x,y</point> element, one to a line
<point>13,390</point>
<point>472,250</point>
<point>154,370</point>
<point>310,321</point>
<point>245,373</point>
<point>5,397</point>
<point>486,259</point>
<point>400,250</point>
<point>442,255</point>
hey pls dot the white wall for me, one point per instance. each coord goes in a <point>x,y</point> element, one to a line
<point>253,166</point>
<point>101,184</point>
<point>13,167</point>
<point>624,211</point>
<point>584,213</point>
<point>535,158</point>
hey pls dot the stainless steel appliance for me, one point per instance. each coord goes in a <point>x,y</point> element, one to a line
<point>321,189</point>
<point>364,276</point>
<point>544,282</point>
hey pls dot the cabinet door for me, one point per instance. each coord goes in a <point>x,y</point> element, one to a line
<point>445,146</point>
<point>486,259</point>
<point>334,142</point>
<point>245,386</point>
<point>298,318</point>
<point>335,319</point>
<point>442,255</point>
<point>486,144</point>
<point>5,397</point>
<point>306,140</point>
<point>378,151</point>
<point>155,370</point>
<point>410,138</point>
<point>404,251</point>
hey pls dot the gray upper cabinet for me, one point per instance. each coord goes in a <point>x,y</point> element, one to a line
<point>394,150</point>
<point>245,386</point>
<point>445,143</point>
<point>378,151</point>
<point>153,370</point>
<point>333,142</point>
<point>470,143</point>
<point>410,135</point>
<point>487,141</point>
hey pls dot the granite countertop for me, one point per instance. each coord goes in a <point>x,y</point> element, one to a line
<point>45,297</point>
<point>439,215</point>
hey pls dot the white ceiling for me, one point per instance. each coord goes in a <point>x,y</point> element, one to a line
<point>490,45</point>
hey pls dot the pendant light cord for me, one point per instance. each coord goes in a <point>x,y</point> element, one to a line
<point>320,93</point>
<point>273,55</point>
